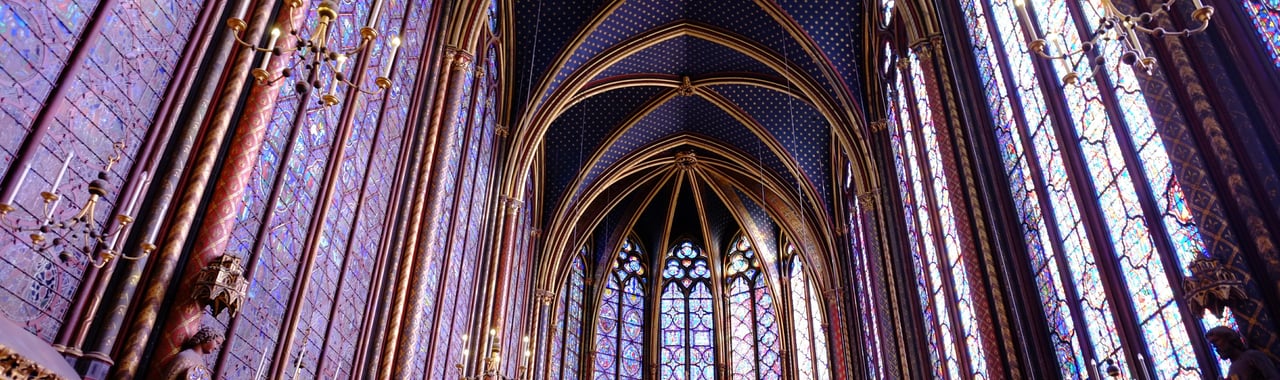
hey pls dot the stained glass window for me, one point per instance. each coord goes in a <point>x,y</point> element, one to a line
<point>753,322</point>
<point>886,11</point>
<point>566,340</point>
<point>113,98</point>
<point>942,276</point>
<point>688,351</point>
<point>1147,226</point>
<point>812,359</point>
<point>1266,18</point>
<point>619,328</point>
<point>870,292</point>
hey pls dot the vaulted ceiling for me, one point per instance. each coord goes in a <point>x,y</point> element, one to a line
<point>609,91</point>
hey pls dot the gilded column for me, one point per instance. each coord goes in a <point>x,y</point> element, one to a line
<point>411,327</point>
<point>166,258</point>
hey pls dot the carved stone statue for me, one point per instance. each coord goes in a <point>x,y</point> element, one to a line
<point>1246,364</point>
<point>189,363</point>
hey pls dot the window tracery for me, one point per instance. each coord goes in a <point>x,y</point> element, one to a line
<point>566,340</point>
<point>753,321</point>
<point>812,360</point>
<point>688,349</point>
<point>619,340</point>
<point>942,277</point>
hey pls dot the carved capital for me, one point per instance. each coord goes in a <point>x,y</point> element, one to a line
<point>904,63</point>
<point>869,199</point>
<point>879,125</point>
<point>535,233</point>
<point>501,131</point>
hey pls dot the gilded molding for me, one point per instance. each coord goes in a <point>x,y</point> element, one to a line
<point>687,159</point>
<point>14,365</point>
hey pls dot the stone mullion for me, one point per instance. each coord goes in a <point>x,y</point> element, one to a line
<point>379,338</point>
<point>257,112</point>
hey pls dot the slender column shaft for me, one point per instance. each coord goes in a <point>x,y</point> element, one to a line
<point>196,182</point>
<point>409,250</point>
<point>436,200</point>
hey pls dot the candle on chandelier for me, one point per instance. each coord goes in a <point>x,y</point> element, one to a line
<point>395,48</point>
<point>271,47</point>
<point>1023,16</point>
<point>337,71</point>
<point>373,13</point>
<point>62,173</point>
<point>21,178</point>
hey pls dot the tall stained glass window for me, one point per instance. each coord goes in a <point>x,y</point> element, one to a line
<point>619,328</point>
<point>753,322</point>
<point>566,339</point>
<point>812,359</point>
<point>1266,17</point>
<point>942,277</point>
<point>1126,180</point>
<point>688,351</point>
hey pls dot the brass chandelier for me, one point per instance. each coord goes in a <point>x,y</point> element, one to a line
<point>316,52</point>
<point>1115,25</point>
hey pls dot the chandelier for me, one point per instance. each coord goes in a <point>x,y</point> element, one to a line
<point>317,51</point>
<point>81,234</point>
<point>1115,25</point>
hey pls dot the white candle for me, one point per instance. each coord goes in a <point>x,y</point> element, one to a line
<point>337,70</point>
<point>373,13</point>
<point>21,178</point>
<point>261,361</point>
<point>395,48</point>
<point>62,172</point>
<point>137,192</point>
<point>271,46</point>
<point>1024,16</point>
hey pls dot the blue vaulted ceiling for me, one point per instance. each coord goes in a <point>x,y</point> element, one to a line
<point>556,40</point>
